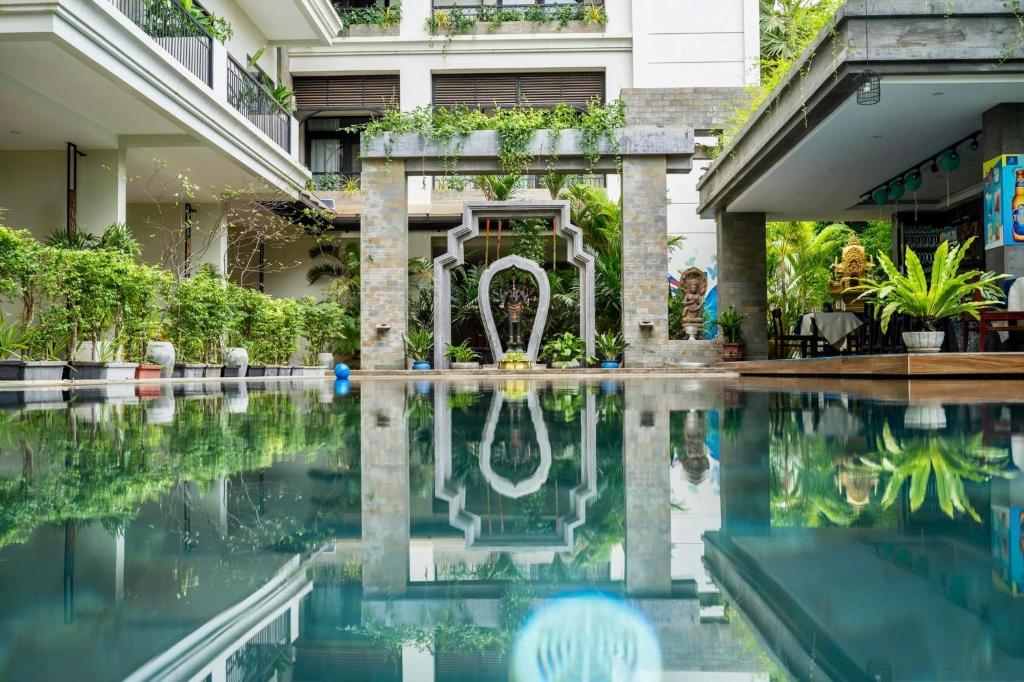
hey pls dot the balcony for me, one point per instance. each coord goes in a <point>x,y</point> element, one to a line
<point>253,99</point>
<point>491,16</point>
<point>368,19</point>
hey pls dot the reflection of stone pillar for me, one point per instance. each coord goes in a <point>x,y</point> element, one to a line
<point>742,275</point>
<point>384,264</point>
<point>644,260</point>
<point>385,489</point>
<point>745,472</point>
<point>648,501</point>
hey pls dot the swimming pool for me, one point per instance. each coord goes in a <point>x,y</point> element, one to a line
<point>519,528</point>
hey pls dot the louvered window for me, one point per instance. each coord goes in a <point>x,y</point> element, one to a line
<point>346,93</point>
<point>490,90</point>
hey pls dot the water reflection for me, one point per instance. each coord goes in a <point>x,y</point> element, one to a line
<point>393,530</point>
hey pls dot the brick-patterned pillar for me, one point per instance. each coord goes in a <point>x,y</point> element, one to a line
<point>384,264</point>
<point>742,278</point>
<point>384,488</point>
<point>644,260</point>
<point>648,493</point>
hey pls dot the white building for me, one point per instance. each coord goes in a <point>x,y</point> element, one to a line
<point>159,126</point>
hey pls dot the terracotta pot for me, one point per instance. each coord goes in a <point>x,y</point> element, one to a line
<point>148,372</point>
<point>733,352</point>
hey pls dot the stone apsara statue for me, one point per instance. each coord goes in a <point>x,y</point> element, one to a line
<point>693,286</point>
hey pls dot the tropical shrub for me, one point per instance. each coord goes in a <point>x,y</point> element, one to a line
<point>25,272</point>
<point>286,316</point>
<point>610,346</point>
<point>323,324</point>
<point>731,321</point>
<point>418,344</point>
<point>461,353</point>
<point>199,317</point>
<point>565,348</point>
<point>947,293</point>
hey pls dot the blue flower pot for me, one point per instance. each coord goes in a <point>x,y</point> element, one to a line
<point>342,387</point>
<point>420,365</point>
<point>421,387</point>
<point>609,364</point>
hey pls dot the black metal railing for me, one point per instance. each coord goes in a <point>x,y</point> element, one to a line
<point>252,99</point>
<point>174,29</point>
<point>497,11</point>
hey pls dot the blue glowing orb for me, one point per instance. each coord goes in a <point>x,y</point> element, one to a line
<point>341,371</point>
<point>342,387</point>
<point>586,637</point>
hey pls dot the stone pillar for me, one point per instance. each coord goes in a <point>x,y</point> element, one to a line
<point>1003,133</point>
<point>384,263</point>
<point>102,189</point>
<point>745,474</point>
<point>644,260</point>
<point>742,278</point>
<point>646,466</point>
<point>385,489</point>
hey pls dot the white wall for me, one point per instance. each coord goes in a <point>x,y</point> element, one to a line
<point>247,38</point>
<point>32,195</point>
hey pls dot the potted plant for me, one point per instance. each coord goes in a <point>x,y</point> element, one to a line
<point>565,351</point>
<point>730,321</point>
<point>948,293</point>
<point>609,348</point>
<point>462,356</point>
<point>515,360</point>
<point>198,318</point>
<point>418,344</point>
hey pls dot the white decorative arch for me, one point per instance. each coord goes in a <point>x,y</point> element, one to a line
<point>472,213</point>
<point>499,484</point>
<point>540,320</point>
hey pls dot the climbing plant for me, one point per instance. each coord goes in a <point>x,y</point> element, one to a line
<point>516,127</point>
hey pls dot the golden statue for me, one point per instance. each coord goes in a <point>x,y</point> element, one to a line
<point>853,265</point>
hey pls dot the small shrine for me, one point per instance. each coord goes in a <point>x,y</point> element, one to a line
<point>847,273</point>
<point>693,287</point>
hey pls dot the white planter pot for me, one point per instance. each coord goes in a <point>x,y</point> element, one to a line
<point>465,365</point>
<point>161,353</point>
<point>325,360</point>
<point>924,417</point>
<point>237,358</point>
<point>923,342</point>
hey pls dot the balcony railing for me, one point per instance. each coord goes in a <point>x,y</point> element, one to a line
<point>253,100</point>
<point>560,11</point>
<point>175,29</point>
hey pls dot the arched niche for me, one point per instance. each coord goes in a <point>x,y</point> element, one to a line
<point>472,213</point>
<point>484,299</point>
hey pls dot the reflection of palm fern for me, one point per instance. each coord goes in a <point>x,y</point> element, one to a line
<point>949,460</point>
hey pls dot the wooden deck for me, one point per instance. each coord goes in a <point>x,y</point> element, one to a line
<point>903,366</point>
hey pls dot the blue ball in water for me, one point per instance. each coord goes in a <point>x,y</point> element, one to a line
<point>341,371</point>
<point>342,387</point>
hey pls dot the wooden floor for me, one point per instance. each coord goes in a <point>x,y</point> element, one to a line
<point>905,366</point>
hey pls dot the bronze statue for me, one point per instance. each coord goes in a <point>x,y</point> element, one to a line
<point>693,286</point>
<point>514,299</point>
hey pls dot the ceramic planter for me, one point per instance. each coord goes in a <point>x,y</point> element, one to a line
<point>213,371</point>
<point>733,352</point>
<point>515,365</point>
<point>102,371</point>
<point>325,359</point>
<point>161,353</point>
<point>923,342</point>
<point>148,372</point>
<point>256,371</point>
<point>609,364</point>
<point>27,370</point>
<point>420,365</point>
<point>465,365</point>
<point>236,361</point>
<point>284,371</point>
<point>568,364</point>
<point>307,371</point>
<point>189,371</point>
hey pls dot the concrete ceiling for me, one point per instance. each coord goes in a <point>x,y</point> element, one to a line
<point>153,174</point>
<point>857,148</point>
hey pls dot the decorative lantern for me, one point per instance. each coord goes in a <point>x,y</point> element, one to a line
<point>869,87</point>
<point>896,190</point>
<point>949,160</point>
<point>912,181</point>
<point>880,196</point>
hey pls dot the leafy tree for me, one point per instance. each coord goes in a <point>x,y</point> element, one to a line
<point>199,317</point>
<point>798,260</point>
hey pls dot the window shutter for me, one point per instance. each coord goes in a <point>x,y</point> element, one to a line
<point>487,90</point>
<point>346,93</point>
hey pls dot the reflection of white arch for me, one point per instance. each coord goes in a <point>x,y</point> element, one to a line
<point>531,484</point>
<point>472,212</point>
<point>454,493</point>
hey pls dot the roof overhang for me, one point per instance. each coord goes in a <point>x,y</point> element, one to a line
<point>295,22</point>
<point>811,152</point>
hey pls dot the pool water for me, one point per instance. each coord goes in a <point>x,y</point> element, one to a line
<point>676,529</point>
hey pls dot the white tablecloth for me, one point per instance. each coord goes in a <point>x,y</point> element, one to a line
<point>834,327</point>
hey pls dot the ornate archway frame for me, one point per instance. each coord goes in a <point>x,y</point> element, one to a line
<point>540,320</point>
<point>446,488</point>
<point>472,213</point>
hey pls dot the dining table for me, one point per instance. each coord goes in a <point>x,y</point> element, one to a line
<point>834,327</point>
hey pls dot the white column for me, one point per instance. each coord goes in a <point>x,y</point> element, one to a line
<point>220,71</point>
<point>102,189</point>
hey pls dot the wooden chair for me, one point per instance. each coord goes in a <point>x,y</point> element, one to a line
<point>995,321</point>
<point>808,345</point>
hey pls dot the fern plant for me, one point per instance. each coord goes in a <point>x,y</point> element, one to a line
<point>947,293</point>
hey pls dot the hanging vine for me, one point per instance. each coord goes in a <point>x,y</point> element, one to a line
<point>516,128</point>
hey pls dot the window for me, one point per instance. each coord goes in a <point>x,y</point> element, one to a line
<point>330,151</point>
<point>346,93</point>
<point>543,89</point>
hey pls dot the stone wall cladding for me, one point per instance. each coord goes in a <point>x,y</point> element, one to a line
<point>742,275</point>
<point>699,108</point>
<point>384,264</point>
